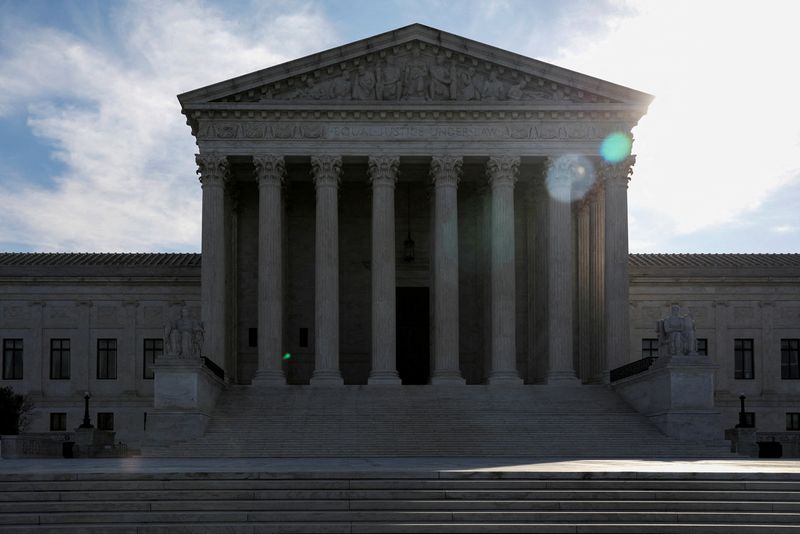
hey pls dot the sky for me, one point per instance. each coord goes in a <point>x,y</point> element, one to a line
<point>96,156</point>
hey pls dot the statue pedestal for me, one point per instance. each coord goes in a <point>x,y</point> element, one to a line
<point>185,393</point>
<point>677,395</point>
<point>743,441</point>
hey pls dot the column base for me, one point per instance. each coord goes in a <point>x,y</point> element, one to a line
<point>383,378</point>
<point>447,378</point>
<point>269,378</point>
<point>562,378</point>
<point>326,378</point>
<point>504,378</point>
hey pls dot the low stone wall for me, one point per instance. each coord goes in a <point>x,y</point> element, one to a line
<point>33,445</point>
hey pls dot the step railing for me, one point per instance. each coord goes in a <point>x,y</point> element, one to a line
<point>633,368</point>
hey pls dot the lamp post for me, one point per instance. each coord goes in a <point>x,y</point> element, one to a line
<point>86,422</point>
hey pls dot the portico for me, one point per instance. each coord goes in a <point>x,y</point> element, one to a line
<point>315,171</point>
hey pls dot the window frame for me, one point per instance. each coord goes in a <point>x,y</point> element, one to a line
<point>149,356</point>
<point>103,418</point>
<point>60,352</point>
<point>790,359</point>
<point>108,354</point>
<point>13,368</point>
<point>55,416</point>
<point>649,347</point>
<point>793,421</point>
<point>744,354</point>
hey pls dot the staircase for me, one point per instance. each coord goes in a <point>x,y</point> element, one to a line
<point>419,501</point>
<point>415,421</point>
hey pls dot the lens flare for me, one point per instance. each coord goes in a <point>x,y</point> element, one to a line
<point>287,356</point>
<point>616,147</point>
<point>569,178</point>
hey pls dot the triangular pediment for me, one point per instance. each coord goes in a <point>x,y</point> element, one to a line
<point>415,64</point>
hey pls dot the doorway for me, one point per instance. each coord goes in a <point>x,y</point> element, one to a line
<point>413,331</point>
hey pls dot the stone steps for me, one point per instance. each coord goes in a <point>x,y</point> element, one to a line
<point>454,501</point>
<point>414,421</point>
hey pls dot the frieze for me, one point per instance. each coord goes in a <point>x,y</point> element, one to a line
<point>416,72</point>
<point>544,131</point>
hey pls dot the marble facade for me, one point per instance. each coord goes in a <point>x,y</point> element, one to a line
<point>314,174</point>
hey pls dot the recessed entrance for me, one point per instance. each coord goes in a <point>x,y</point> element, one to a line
<point>413,347</point>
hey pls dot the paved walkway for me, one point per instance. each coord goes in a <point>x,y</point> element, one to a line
<point>394,466</point>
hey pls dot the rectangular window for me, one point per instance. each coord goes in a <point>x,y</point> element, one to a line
<point>790,359</point>
<point>58,422</point>
<point>252,337</point>
<point>702,346</point>
<point>153,349</point>
<point>649,347</point>
<point>12,359</point>
<point>105,420</point>
<point>106,359</point>
<point>743,352</point>
<point>793,421</point>
<point>59,359</point>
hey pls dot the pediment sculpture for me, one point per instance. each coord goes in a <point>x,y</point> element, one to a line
<point>415,73</point>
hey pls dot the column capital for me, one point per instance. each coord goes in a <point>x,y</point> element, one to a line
<point>617,173</point>
<point>326,170</point>
<point>270,169</point>
<point>502,170</point>
<point>383,170</point>
<point>446,170</point>
<point>213,168</point>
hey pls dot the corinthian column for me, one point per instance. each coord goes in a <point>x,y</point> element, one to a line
<point>383,175</point>
<point>597,296</point>
<point>502,173</point>
<point>445,172</point>
<point>270,172</point>
<point>615,180</point>
<point>214,171</point>
<point>326,172</point>
<point>560,176</point>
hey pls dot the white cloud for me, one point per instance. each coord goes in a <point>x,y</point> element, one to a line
<point>723,132</point>
<point>129,179</point>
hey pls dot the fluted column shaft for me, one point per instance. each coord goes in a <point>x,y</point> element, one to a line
<point>326,172</point>
<point>383,175</point>
<point>502,173</point>
<point>596,274</point>
<point>615,179</point>
<point>214,171</point>
<point>270,172</point>
<point>446,172</point>
<point>584,307</point>
<point>560,289</point>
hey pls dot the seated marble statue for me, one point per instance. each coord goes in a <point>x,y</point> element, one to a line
<point>676,334</point>
<point>184,337</point>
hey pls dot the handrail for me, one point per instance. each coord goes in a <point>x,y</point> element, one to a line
<point>633,368</point>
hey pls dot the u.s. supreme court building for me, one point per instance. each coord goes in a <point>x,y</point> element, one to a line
<point>411,209</point>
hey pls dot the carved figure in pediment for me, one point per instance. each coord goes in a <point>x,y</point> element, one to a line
<point>415,74</point>
<point>341,87</point>
<point>311,91</point>
<point>364,86</point>
<point>493,89</point>
<point>516,91</point>
<point>442,86</point>
<point>466,89</point>
<point>389,79</point>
